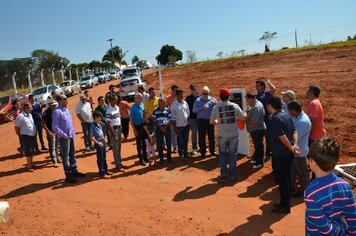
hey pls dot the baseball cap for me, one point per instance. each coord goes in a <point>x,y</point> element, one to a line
<point>289,93</point>
<point>224,92</point>
<point>52,102</point>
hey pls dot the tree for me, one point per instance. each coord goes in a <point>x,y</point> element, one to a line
<point>267,38</point>
<point>220,55</point>
<point>135,59</point>
<point>169,54</point>
<point>241,52</point>
<point>191,56</point>
<point>114,54</point>
<point>46,59</point>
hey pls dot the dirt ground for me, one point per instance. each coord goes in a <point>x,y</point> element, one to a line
<point>180,198</point>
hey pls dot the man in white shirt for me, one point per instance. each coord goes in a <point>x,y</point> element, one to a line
<point>114,122</point>
<point>180,111</point>
<point>84,114</point>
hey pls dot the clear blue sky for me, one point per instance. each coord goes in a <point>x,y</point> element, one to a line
<point>78,29</point>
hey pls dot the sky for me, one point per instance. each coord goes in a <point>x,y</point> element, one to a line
<point>79,29</point>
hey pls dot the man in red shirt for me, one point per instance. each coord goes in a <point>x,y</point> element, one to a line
<point>316,114</point>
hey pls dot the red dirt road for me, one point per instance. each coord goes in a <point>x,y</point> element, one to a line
<point>179,198</point>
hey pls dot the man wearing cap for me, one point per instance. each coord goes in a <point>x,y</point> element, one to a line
<point>84,114</point>
<point>287,97</point>
<point>203,106</point>
<point>47,125</point>
<point>225,114</point>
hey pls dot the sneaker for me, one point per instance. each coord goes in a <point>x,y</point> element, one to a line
<point>174,150</point>
<point>222,179</point>
<point>214,154</point>
<point>104,177</point>
<point>108,173</point>
<point>70,180</point>
<point>92,148</point>
<point>55,165</point>
<point>194,152</point>
<point>88,149</point>
<point>277,205</point>
<point>253,162</point>
<point>142,163</point>
<point>256,167</point>
<point>44,148</point>
<point>78,174</point>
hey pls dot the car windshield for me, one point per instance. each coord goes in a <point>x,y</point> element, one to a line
<point>98,74</point>
<point>64,84</point>
<point>4,100</point>
<point>112,73</point>
<point>85,78</point>
<point>129,82</point>
<point>39,91</point>
<point>129,71</point>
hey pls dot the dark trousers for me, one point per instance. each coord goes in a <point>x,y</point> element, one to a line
<point>141,144</point>
<point>204,127</point>
<point>125,126</point>
<point>101,159</point>
<point>268,138</point>
<point>86,132</point>
<point>257,139</point>
<point>182,138</point>
<point>160,143</point>
<point>39,128</point>
<point>281,166</point>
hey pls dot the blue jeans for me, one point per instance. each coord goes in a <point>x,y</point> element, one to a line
<point>101,159</point>
<point>257,139</point>
<point>228,148</point>
<point>160,143</point>
<point>39,128</point>
<point>86,132</point>
<point>68,158</point>
<point>182,138</point>
<point>194,128</point>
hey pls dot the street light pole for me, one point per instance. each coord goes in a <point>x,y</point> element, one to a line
<point>112,53</point>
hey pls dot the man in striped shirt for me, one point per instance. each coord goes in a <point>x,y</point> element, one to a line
<point>330,202</point>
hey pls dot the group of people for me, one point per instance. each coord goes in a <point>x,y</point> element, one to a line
<point>280,130</point>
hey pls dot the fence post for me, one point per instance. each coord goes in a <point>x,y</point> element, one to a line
<point>42,78</point>
<point>14,82</point>
<point>29,80</point>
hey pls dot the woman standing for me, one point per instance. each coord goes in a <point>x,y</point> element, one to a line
<point>125,116</point>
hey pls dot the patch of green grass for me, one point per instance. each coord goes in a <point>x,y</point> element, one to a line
<point>11,91</point>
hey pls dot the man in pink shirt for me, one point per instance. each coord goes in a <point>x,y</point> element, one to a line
<point>316,114</point>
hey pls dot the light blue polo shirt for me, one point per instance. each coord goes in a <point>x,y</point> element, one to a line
<point>303,126</point>
<point>136,113</point>
<point>26,124</point>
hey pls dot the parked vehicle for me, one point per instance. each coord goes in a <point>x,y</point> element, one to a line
<point>42,94</point>
<point>6,104</point>
<point>102,76</point>
<point>132,70</point>
<point>129,86</point>
<point>114,75</point>
<point>70,87</point>
<point>88,81</point>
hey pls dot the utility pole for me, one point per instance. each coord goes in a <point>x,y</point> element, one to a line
<point>310,40</point>
<point>296,38</point>
<point>112,53</point>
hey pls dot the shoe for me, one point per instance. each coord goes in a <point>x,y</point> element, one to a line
<point>222,179</point>
<point>104,177</point>
<point>202,156</point>
<point>88,149</point>
<point>281,210</point>
<point>194,152</point>
<point>297,194</point>
<point>70,180</point>
<point>142,163</point>
<point>44,148</point>
<point>277,205</point>
<point>253,162</point>
<point>55,165</point>
<point>78,174</point>
<point>267,158</point>
<point>30,169</point>
<point>232,180</point>
<point>174,150</point>
<point>108,173</point>
<point>256,167</point>
<point>170,160</point>
<point>92,148</point>
<point>214,154</point>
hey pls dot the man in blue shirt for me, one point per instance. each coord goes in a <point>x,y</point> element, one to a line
<point>303,126</point>
<point>136,120</point>
<point>203,106</point>
<point>284,147</point>
<point>37,118</point>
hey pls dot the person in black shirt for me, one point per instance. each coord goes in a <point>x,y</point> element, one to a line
<point>51,137</point>
<point>193,122</point>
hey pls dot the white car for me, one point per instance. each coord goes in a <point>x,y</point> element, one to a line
<point>114,75</point>
<point>130,71</point>
<point>42,94</point>
<point>129,86</point>
<point>88,81</point>
<point>70,87</point>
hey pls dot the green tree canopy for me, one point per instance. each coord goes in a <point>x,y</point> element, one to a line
<point>114,55</point>
<point>169,54</point>
<point>46,59</point>
<point>135,59</point>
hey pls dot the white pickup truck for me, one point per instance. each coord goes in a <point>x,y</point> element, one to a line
<point>129,86</point>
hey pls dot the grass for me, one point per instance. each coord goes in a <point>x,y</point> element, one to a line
<point>19,91</point>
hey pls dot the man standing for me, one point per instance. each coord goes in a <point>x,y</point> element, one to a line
<point>284,147</point>
<point>102,107</point>
<point>303,126</point>
<point>169,101</point>
<point>63,127</point>
<point>136,120</point>
<point>263,95</point>
<point>287,97</point>
<point>225,115</point>
<point>163,120</point>
<point>193,122</point>
<point>315,112</point>
<point>180,112</point>
<point>84,114</point>
<point>51,137</point>
<point>37,117</point>
<point>256,126</point>
<point>111,91</point>
<point>114,123</point>
<point>25,127</point>
<point>203,106</point>
<point>152,102</point>
<point>142,91</point>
